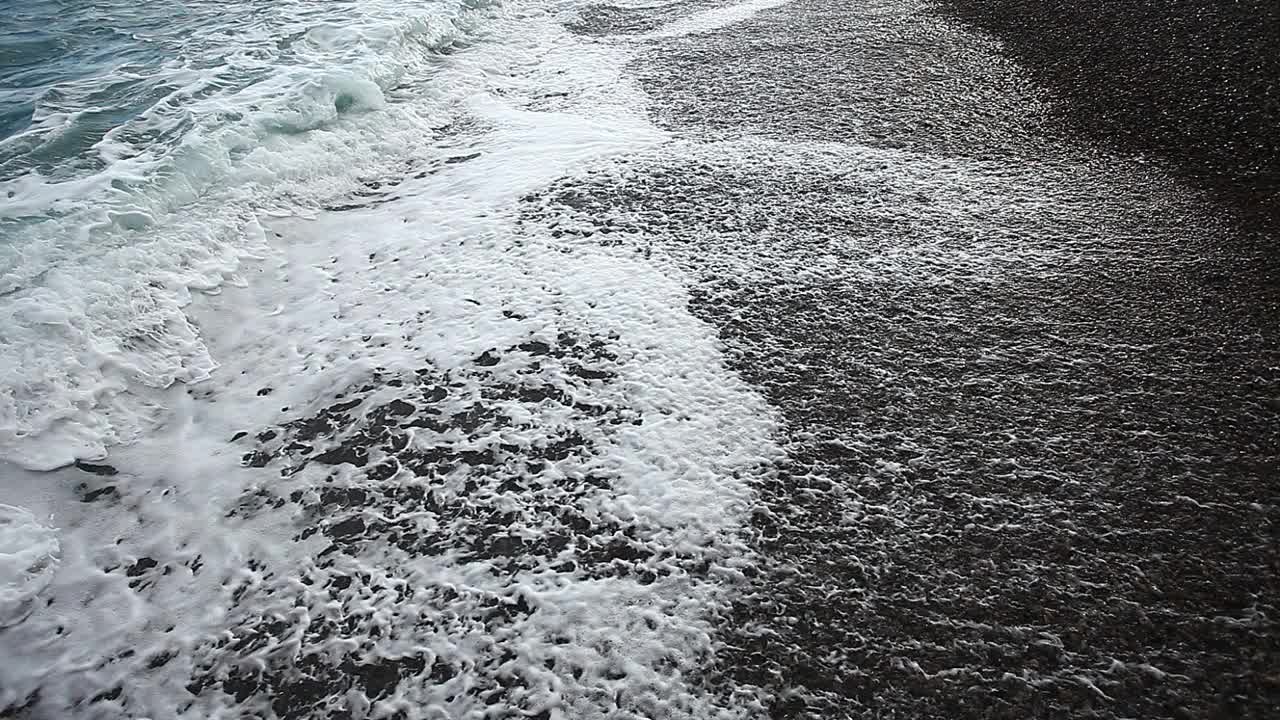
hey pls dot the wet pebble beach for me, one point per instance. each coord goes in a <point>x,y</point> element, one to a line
<point>795,359</point>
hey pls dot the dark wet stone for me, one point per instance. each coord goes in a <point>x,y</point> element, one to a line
<point>399,408</point>
<point>453,160</point>
<point>380,679</point>
<point>112,694</point>
<point>442,671</point>
<point>22,709</point>
<point>590,373</point>
<point>347,528</point>
<point>256,459</point>
<point>354,455</point>
<point>383,471</point>
<point>342,407</point>
<point>141,566</point>
<point>96,469</point>
<point>535,347</point>
<point>90,495</point>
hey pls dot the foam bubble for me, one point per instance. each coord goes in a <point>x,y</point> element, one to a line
<point>28,560</point>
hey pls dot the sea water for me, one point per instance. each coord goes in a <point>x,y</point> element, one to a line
<point>298,415</point>
<point>140,141</point>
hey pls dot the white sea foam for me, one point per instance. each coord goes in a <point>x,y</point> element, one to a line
<point>28,560</point>
<point>176,567</point>
<point>96,267</point>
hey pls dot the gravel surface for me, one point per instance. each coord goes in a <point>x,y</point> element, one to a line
<point>1028,376</point>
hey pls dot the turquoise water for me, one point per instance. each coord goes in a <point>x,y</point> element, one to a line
<point>73,71</point>
<point>140,141</point>
<point>45,46</point>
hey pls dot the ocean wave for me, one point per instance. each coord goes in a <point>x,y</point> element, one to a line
<point>140,181</point>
